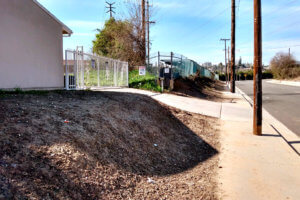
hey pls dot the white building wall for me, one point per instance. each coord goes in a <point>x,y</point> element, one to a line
<point>30,47</point>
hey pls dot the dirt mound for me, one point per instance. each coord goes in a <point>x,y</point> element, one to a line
<point>200,87</point>
<point>103,145</point>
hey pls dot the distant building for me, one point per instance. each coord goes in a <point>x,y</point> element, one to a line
<point>207,64</point>
<point>31,51</point>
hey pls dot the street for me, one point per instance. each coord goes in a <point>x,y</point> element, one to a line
<point>281,101</point>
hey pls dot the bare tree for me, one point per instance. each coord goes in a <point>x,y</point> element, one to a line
<point>284,66</point>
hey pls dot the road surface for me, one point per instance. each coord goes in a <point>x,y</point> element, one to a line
<point>281,101</point>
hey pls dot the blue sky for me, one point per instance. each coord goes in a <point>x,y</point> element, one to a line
<point>191,27</point>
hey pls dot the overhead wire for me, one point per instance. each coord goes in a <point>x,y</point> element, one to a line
<point>274,32</point>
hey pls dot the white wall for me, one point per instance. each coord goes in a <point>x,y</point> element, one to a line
<point>30,47</point>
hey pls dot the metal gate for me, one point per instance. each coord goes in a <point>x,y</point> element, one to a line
<point>87,71</point>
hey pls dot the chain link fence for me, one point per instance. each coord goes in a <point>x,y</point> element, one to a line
<point>87,71</point>
<point>181,66</point>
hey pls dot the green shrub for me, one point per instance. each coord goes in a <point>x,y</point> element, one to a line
<point>248,75</point>
<point>147,82</point>
<point>222,77</point>
<point>267,74</point>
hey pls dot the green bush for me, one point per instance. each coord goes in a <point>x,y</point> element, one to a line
<point>147,82</point>
<point>222,77</point>
<point>248,75</point>
<point>267,74</point>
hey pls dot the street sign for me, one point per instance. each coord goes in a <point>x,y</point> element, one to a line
<point>142,70</point>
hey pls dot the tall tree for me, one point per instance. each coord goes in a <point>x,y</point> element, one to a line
<point>118,40</point>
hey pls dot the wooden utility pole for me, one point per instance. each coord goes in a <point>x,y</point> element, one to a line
<point>225,40</point>
<point>228,66</point>
<point>110,7</point>
<point>232,74</point>
<point>257,107</point>
<point>144,31</point>
<point>148,31</point>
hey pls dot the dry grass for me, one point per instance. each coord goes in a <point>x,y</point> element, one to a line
<point>112,144</point>
<point>297,79</point>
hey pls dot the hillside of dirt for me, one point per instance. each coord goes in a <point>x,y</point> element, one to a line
<point>104,145</point>
<point>200,87</point>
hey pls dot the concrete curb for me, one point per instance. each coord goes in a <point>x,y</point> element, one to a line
<point>289,136</point>
<point>289,83</point>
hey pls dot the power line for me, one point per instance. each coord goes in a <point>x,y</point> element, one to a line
<point>280,8</point>
<point>274,32</point>
<point>298,45</point>
<point>110,7</point>
<point>207,22</point>
<point>212,18</point>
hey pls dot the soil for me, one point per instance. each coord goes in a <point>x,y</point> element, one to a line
<point>104,145</point>
<point>200,87</point>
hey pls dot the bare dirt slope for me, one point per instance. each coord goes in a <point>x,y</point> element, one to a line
<point>104,145</point>
<point>200,87</point>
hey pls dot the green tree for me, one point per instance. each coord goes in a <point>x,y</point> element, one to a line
<point>118,40</point>
<point>240,62</point>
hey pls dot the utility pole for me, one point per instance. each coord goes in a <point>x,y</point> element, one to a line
<point>144,31</point>
<point>228,71</point>
<point>110,7</point>
<point>148,31</point>
<point>257,107</point>
<point>232,81</point>
<point>289,52</point>
<point>225,40</point>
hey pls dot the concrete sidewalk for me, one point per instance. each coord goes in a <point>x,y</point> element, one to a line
<point>250,167</point>
<point>224,111</point>
<point>258,167</point>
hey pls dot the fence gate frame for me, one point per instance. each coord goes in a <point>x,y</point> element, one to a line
<point>83,71</point>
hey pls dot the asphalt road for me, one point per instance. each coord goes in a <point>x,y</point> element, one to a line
<point>281,101</point>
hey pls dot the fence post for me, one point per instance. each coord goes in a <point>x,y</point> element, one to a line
<point>115,76</point>
<point>171,71</point>
<point>158,63</point>
<point>117,72</point>
<point>82,69</point>
<point>75,69</point>
<point>98,70</point>
<point>67,72</point>
<point>171,65</point>
<point>127,68</point>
